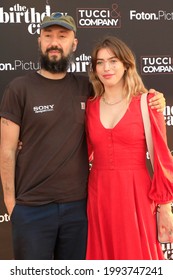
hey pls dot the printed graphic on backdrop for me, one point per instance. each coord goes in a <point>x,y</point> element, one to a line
<point>160,64</point>
<point>19,14</point>
<point>99,17</point>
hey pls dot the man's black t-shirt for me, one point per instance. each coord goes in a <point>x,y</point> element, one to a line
<point>53,163</point>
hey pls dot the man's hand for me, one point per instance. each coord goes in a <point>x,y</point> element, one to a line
<point>158,101</point>
<point>10,205</point>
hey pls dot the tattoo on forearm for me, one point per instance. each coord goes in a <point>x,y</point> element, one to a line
<point>4,121</point>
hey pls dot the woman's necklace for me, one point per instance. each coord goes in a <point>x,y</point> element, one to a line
<point>109,103</point>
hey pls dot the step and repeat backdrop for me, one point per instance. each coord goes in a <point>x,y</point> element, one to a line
<point>146,26</point>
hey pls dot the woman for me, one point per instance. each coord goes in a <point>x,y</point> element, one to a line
<point>122,198</point>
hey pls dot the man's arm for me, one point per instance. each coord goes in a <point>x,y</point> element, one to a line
<point>9,143</point>
<point>158,101</point>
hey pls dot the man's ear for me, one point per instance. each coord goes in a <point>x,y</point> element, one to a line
<point>75,43</point>
<point>39,40</point>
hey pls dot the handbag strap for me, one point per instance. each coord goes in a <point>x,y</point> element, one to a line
<point>147,126</point>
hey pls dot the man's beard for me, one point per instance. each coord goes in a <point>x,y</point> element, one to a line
<point>53,65</point>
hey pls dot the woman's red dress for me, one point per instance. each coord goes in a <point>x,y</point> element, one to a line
<point>121,195</point>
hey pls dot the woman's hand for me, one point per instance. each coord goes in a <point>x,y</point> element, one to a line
<point>19,147</point>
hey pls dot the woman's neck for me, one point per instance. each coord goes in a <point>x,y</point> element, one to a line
<point>116,92</point>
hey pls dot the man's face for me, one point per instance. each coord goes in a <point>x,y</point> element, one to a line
<point>57,45</point>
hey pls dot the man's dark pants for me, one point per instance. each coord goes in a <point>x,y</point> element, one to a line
<point>51,231</point>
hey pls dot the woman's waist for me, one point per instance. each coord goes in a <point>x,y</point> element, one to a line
<point>118,165</point>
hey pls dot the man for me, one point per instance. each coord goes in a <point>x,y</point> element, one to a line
<point>45,187</point>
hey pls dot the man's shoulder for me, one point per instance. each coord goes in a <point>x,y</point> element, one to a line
<point>23,79</point>
<point>79,77</point>
<point>82,82</point>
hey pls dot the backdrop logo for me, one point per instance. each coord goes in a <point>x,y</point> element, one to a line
<point>99,17</point>
<point>168,114</point>
<point>162,64</point>
<point>159,15</point>
<point>168,250</point>
<point>19,13</point>
<point>81,64</point>
<point>19,65</point>
<point>4,218</point>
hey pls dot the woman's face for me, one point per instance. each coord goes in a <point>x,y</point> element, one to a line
<point>109,69</point>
